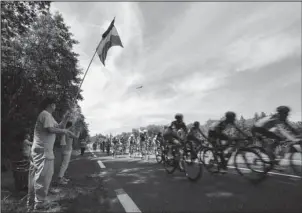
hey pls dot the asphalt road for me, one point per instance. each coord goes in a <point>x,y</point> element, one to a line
<point>141,185</point>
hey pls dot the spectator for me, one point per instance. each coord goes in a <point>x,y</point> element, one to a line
<point>108,148</point>
<point>94,146</point>
<point>103,146</point>
<point>83,146</point>
<point>66,144</point>
<point>42,156</point>
<point>26,148</point>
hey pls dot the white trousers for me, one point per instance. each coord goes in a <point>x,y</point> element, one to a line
<point>40,176</point>
<point>65,162</point>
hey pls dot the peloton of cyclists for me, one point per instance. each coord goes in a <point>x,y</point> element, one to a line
<point>268,126</point>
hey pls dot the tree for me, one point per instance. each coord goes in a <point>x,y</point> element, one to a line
<point>154,129</point>
<point>37,64</point>
<point>16,18</point>
<point>135,132</point>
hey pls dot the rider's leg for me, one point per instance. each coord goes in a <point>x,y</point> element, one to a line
<point>271,135</point>
<point>196,142</point>
<point>223,137</point>
<point>266,133</point>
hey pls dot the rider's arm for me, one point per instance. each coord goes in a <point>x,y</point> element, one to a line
<point>172,126</point>
<point>285,133</point>
<point>239,130</point>
<point>292,129</point>
<point>185,128</point>
<point>203,135</point>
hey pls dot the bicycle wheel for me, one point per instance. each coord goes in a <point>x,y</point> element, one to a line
<point>209,160</point>
<point>249,164</point>
<point>159,155</point>
<point>267,158</point>
<point>170,164</point>
<point>295,159</point>
<point>192,166</point>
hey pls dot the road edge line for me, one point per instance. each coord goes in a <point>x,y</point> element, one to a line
<point>271,173</point>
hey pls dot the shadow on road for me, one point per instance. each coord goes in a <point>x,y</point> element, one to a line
<point>154,190</point>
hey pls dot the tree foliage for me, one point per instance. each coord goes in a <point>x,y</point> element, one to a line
<point>37,61</point>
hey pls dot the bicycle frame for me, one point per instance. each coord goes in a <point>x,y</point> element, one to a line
<point>234,146</point>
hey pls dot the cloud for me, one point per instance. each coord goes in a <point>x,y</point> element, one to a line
<point>200,59</point>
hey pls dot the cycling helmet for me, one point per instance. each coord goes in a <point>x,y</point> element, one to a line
<point>230,115</point>
<point>178,116</point>
<point>196,124</point>
<point>283,110</point>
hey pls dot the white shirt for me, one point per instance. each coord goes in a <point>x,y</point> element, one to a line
<point>43,138</point>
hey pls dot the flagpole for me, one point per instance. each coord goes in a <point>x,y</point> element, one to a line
<point>85,74</point>
<point>75,99</point>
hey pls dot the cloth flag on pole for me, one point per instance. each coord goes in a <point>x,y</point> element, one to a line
<point>109,38</point>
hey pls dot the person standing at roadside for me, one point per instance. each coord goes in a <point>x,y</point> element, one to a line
<point>42,156</point>
<point>83,146</point>
<point>66,147</point>
<point>27,144</point>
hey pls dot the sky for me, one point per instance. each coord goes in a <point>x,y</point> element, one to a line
<point>197,58</point>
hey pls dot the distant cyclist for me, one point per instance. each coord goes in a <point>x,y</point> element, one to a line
<point>143,141</point>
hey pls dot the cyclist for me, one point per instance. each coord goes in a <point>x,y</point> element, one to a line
<point>194,132</point>
<point>143,140</point>
<point>159,141</point>
<point>268,125</point>
<point>171,132</point>
<point>131,142</point>
<point>215,134</point>
<point>194,135</point>
<point>271,126</point>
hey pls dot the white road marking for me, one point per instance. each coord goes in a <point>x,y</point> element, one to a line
<point>126,201</point>
<point>99,161</point>
<point>272,173</point>
<point>122,196</point>
<point>101,164</point>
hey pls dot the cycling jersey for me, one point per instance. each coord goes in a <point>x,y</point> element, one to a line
<point>216,131</point>
<point>268,122</point>
<point>175,125</point>
<point>219,126</point>
<point>272,125</point>
<point>194,131</point>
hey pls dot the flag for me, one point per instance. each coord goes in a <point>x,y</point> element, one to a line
<point>109,38</point>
